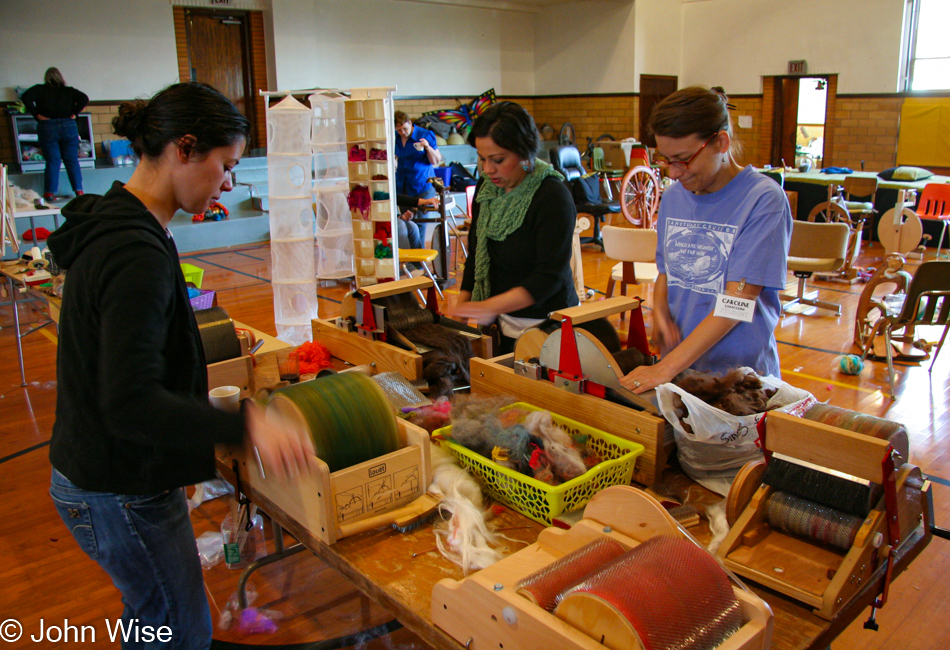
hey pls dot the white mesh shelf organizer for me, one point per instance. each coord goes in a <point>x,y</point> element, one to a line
<point>309,178</point>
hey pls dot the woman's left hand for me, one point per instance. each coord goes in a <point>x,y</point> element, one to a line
<point>480,312</point>
<point>646,378</point>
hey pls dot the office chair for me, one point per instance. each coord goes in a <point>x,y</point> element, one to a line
<point>567,161</point>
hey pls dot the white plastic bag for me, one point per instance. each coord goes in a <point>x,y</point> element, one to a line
<point>721,443</point>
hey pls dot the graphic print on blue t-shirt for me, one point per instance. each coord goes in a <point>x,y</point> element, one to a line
<point>697,254</point>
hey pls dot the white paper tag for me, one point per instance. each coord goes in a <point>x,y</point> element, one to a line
<point>734,307</point>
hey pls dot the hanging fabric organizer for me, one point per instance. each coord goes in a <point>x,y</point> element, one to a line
<point>311,174</point>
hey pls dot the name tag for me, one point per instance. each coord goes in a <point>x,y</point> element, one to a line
<point>734,307</point>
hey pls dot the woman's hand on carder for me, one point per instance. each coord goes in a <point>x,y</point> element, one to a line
<point>480,312</point>
<point>284,447</point>
<point>644,378</point>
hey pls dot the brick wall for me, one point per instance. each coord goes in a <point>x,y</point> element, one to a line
<point>750,139</point>
<point>766,122</point>
<point>866,129</point>
<point>592,116</point>
<point>858,128</point>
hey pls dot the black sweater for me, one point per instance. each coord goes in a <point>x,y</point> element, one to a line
<point>54,102</point>
<point>132,413</point>
<point>536,256</point>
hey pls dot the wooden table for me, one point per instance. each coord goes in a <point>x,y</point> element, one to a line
<point>15,274</point>
<point>380,564</point>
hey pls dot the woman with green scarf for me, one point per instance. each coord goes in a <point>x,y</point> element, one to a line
<point>523,221</point>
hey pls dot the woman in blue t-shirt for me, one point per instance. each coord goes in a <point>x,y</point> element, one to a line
<point>723,232</point>
<point>416,154</point>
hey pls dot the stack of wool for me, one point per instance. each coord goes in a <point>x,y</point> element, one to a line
<point>524,440</point>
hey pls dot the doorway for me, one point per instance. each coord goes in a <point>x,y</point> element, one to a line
<point>219,55</point>
<point>799,118</point>
<point>653,89</point>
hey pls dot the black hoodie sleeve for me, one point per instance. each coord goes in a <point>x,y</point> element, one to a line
<point>136,312</point>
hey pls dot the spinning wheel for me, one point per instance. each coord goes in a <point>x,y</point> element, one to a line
<point>871,307</point>
<point>639,196</point>
<point>900,232</point>
<point>829,212</point>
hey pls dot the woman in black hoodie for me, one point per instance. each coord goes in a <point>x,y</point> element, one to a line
<point>133,424</point>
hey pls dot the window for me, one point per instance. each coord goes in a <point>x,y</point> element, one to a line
<point>926,60</point>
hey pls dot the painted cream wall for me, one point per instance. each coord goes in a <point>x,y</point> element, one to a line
<point>424,49</point>
<point>117,49</point>
<point>733,43</point>
<point>659,38</point>
<point>109,49</point>
<point>585,47</point>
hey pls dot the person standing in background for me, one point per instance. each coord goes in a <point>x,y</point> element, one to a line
<point>55,106</point>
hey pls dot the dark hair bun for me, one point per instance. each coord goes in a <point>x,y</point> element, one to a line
<point>130,121</point>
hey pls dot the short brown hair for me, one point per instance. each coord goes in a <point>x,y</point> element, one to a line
<point>400,118</point>
<point>696,111</point>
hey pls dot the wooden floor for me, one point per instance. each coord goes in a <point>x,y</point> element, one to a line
<point>45,576</point>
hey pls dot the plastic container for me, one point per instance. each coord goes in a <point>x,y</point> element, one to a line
<point>536,499</point>
<point>192,273</point>
<point>242,546</point>
<point>444,174</point>
<point>204,301</point>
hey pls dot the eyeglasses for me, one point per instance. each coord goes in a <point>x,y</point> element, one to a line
<point>683,164</point>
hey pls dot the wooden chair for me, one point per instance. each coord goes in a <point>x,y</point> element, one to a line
<point>935,205</point>
<point>860,187</point>
<point>927,303</point>
<point>815,247</point>
<point>635,250</point>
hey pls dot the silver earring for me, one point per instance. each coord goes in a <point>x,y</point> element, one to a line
<point>525,165</point>
<point>723,158</point>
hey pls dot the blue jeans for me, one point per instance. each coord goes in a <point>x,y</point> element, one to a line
<point>59,140</point>
<point>408,234</point>
<point>147,546</point>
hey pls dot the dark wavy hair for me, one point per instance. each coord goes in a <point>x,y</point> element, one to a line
<point>191,108</point>
<point>511,127</point>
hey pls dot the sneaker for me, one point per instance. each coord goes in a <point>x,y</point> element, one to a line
<point>49,196</point>
<point>79,192</point>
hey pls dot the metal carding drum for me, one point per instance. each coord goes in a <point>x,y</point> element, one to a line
<point>665,593</point>
<point>218,336</point>
<point>347,415</point>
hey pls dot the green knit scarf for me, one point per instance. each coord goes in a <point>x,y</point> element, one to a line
<point>500,214</point>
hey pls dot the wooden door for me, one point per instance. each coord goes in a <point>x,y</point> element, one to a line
<point>785,121</point>
<point>218,55</point>
<point>653,88</point>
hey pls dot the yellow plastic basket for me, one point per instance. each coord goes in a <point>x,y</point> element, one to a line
<point>537,499</point>
<point>192,273</point>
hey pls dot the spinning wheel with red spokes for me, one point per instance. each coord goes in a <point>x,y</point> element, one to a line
<point>640,196</point>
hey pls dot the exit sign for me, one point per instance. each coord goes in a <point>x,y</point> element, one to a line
<point>220,3</point>
<point>798,67</point>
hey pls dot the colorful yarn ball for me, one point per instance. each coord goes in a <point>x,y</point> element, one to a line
<point>850,364</point>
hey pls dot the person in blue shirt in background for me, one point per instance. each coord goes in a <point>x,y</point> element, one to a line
<point>722,229</point>
<point>416,155</point>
